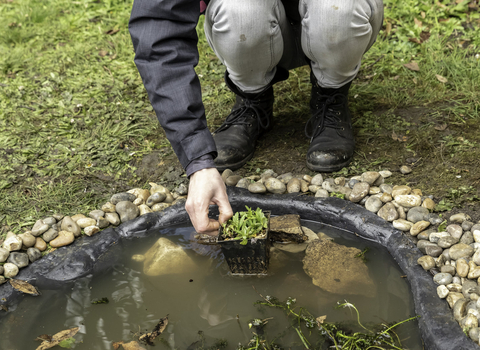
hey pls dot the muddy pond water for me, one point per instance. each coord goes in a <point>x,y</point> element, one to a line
<point>206,299</point>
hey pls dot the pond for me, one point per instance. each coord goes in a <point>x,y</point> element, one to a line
<point>207,299</point>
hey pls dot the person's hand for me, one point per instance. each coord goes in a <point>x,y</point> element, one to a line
<point>207,187</point>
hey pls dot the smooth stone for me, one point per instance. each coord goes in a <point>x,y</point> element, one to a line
<point>402,225</point>
<point>474,334</point>
<point>33,254</point>
<point>442,291</point>
<point>467,238</point>
<point>428,204</point>
<point>427,262</point>
<point>352,182</point>
<point>39,224</point>
<point>4,253</point>
<point>127,210</point>
<point>364,200</point>
<point>304,186</point>
<point>122,197</point>
<point>359,191</point>
<point>85,222</point>
<point>314,188</point>
<point>401,213</point>
<point>462,268</point>
<point>455,230</point>
<point>405,169</point>
<point>317,180</point>
<point>435,236</point>
<point>374,190</point>
<point>243,183</point>
<point>27,239</point>
<point>102,223</point>
<point>340,181</point>
<point>457,280</point>
<point>144,209</point>
<point>40,244</point>
<point>96,214</point>
<point>37,232</point>
<point>441,261</point>
<point>336,269</point>
<point>476,257</point>
<point>408,200</point>
<point>169,198</point>
<point>467,225</point>
<point>257,187</point>
<point>108,208</point>
<point>77,217</point>
<point>112,218</point>
<point>386,188</point>
<point>460,250</point>
<point>64,238</point>
<point>474,273</point>
<point>417,214</point>
<point>336,188</point>
<point>19,259</point>
<point>385,173</point>
<point>321,193</point>
<point>400,190</point>
<point>58,216</point>
<point>434,219</point>
<point>460,309</point>
<point>448,269</point>
<point>155,198</point>
<point>454,287</point>
<point>180,201</point>
<point>232,180</point>
<point>68,224</point>
<point>433,250</point>
<point>91,230</point>
<point>160,206</point>
<point>293,186</point>
<point>370,177</point>
<point>166,257</point>
<point>459,218</point>
<point>144,193</point>
<point>49,235</point>
<point>443,278</point>
<point>476,235</point>
<point>423,235</point>
<point>417,191</point>
<point>373,204</point>
<point>469,286</point>
<point>182,189</point>
<point>386,197</point>
<point>226,174</point>
<point>388,212</point>
<point>470,321</point>
<point>423,244</point>
<point>10,270</point>
<point>447,242</point>
<point>419,227</point>
<point>285,178</point>
<point>380,181</point>
<point>12,243</point>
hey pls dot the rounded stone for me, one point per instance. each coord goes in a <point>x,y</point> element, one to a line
<point>144,209</point>
<point>257,187</point>
<point>459,218</point>
<point>474,333</point>
<point>314,188</point>
<point>64,238</point>
<point>442,291</point>
<point>33,254</point>
<point>443,278</point>
<point>50,235</point>
<point>405,169</point>
<point>68,224</point>
<point>39,227</point>
<point>160,206</point>
<point>408,200</point>
<point>455,230</point>
<point>77,217</point>
<point>435,236</point>
<point>460,309</point>
<point>27,239</point>
<point>467,225</point>
<point>182,189</point>
<point>155,198</point>
<point>122,197</point>
<point>423,235</point>
<point>293,186</point>
<point>340,181</point>
<point>460,250</point>
<point>226,174</point>
<point>359,191</point>
<point>476,256</point>
<point>462,268</point>
<point>419,227</point>
<point>474,273</point>
<point>102,223</point>
<point>417,214</point>
<point>467,238</point>
<point>427,262</point>
<point>321,193</point>
<point>4,253</point>
<point>370,177</point>
<point>470,321</point>
<point>276,186</point>
<point>422,244</point>
<point>317,180</point>
<point>352,182</point>
<point>447,242</point>
<point>108,208</point>
<point>386,197</point>
<point>385,173</point>
<point>402,225</point>
<point>232,180</point>
<point>434,219</point>
<point>112,218</point>
<point>448,269</point>
<point>400,190</point>
<point>12,243</point>
<point>454,287</point>
<point>304,186</point>
<point>428,204</point>
<point>91,230</point>
<point>243,183</point>
<point>10,270</point>
<point>19,259</point>
<point>127,210</point>
<point>433,250</point>
<point>96,214</point>
<point>388,212</point>
<point>373,204</point>
<point>40,244</point>
<point>85,222</point>
<point>386,188</point>
<point>138,257</point>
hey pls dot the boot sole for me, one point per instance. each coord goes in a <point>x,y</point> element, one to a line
<point>234,166</point>
<point>328,169</point>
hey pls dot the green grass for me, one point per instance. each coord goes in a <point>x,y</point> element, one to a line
<point>75,121</point>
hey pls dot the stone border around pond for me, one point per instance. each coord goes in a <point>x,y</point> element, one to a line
<point>89,255</point>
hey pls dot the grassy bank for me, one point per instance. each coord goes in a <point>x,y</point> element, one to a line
<point>76,125</point>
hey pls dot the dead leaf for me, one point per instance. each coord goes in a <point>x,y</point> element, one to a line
<point>440,127</point>
<point>388,28</point>
<point>133,345</point>
<point>415,81</point>
<point>112,31</point>
<point>4,308</point>
<point>58,338</point>
<point>441,79</point>
<point>102,53</point>
<point>423,14</point>
<point>24,287</point>
<point>398,137</point>
<point>320,320</point>
<point>412,66</point>
<point>159,328</point>
<point>418,22</point>
<point>44,337</point>
<point>415,40</point>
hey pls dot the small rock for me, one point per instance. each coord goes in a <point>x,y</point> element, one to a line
<point>402,225</point>
<point>68,224</point>
<point>460,250</point>
<point>40,244</point>
<point>370,177</point>
<point>85,222</point>
<point>447,242</point>
<point>304,186</point>
<point>443,278</point>
<point>459,218</point>
<point>155,198</point>
<point>359,191</point>
<point>293,186</point>
<point>435,236</point>
<point>144,209</point>
<point>64,238</point>
<point>460,309</point>
<point>10,270</point>
<point>352,182</point>
<point>243,183</point>
<point>400,190</point>
<point>474,334</point>
<point>454,287</point>
<point>388,212</point>
<point>58,216</point>
<point>122,197</point>
<point>433,250</point>
<point>138,257</point>
<point>373,204</point>
<point>112,218</point>
<point>50,220</point>
<point>19,259</point>
<point>226,173</point>
<point>27,239</point>
<point>257,187</point>
<point>12,243</point>
<point>428,204</point>
<point>467,238</point>
<point>405,169</point>
<point>49,235</point>
<point>442,291</point>
<point>427,262</point>
<point>470,321</point>
<point>77,217</point>
<point>160,206</point>
<point>386,197</point>
<point>126,210</point>
<point>108,208</point>
<point>467,225</point>
<point>91,230</point>
<point>419,227</point>
<point>417,214</point>
<point>321,193</point>
<point>401,212</point>
<point>96,214</point>
<point>285,178</point>
<point>39,227</point>
<point>314,188</point>
<point>317,180</point>
<point>33,254</point>
<point>408,200</point>
<point>455,230</point>
<point>233,180</point>
<point>386,188</point>
<point>385,173</point>
<point>4,253</point>
<point>448,269</point>
<point>434,219</point>
<point>182,189</point>
<point>102,223</point>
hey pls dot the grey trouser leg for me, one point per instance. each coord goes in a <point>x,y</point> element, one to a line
<point>252,37</point>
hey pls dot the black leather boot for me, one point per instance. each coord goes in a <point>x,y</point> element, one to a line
<point>251,116</point>
<point>329,129</point>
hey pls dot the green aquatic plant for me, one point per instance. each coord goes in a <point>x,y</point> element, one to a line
<point>245,225</point>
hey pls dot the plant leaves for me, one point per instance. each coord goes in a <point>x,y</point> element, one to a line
<point>24,287</point>
<point>58,338</point>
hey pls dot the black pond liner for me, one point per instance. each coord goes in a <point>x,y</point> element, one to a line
<point>89,255</point>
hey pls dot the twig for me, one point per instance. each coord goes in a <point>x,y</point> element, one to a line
<point>268,301</point>
<point>30,108</point>
<point>374,63</point>
<point>109,71</point>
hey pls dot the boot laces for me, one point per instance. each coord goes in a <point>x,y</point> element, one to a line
<point>326,115</point>
<point>240,116</point>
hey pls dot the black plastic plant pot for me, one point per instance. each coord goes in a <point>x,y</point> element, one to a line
<point>249,259</point>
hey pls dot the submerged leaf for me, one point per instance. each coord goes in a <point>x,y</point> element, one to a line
<point>133,345</point>
<point>57,338</point>
<point>159,328</point>
<point>24,287</point>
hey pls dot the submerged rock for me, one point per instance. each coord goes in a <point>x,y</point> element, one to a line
<point>337,269</point>
<point>166,257</point>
